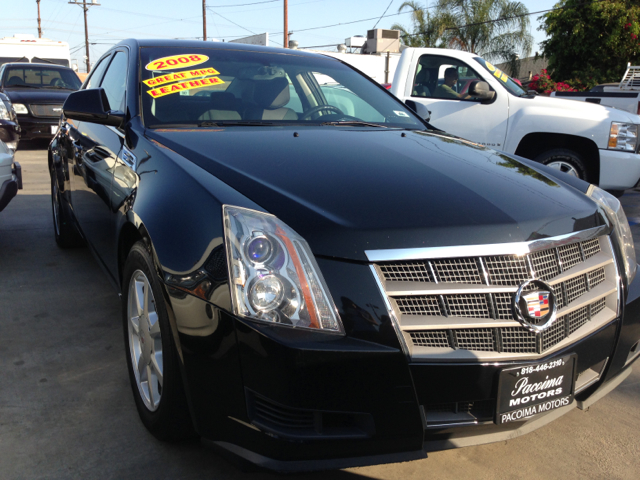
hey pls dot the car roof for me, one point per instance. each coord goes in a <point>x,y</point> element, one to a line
<point>22,64</point>
<point>142,43</point>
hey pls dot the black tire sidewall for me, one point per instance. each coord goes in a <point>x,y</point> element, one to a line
<point>171,420</point>
<point>567,156</point>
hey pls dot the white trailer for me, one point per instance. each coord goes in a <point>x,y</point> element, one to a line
<point>29,49</point>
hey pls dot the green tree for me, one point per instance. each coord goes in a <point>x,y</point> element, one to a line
<point>592,42</point>
<point>494,29</point>
<point>426,31</point>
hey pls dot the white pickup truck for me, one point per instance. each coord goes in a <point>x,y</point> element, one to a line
<point>624,95</point>
<point>467,96</point>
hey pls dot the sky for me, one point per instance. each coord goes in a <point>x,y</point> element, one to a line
<point>314,23</point>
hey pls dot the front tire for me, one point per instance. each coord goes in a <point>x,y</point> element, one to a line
<point>152,357</point>
<point>566,161</point>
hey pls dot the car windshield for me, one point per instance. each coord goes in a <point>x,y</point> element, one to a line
<point>40,77</point>
<point>211,87</point>
<point>506,81</point>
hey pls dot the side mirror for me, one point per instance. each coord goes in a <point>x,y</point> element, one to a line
<point>421,110</point>
<point>91,106</point>
<point>481,91</point>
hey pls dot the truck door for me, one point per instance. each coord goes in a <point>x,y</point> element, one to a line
<point>442,84</point>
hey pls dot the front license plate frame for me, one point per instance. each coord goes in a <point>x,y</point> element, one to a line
<point>529,390</point>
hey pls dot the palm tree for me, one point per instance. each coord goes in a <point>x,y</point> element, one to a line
<point>426,28</point>
<point>494,29</point>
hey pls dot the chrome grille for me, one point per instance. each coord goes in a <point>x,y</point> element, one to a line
<point>464,303</point>
<point>506,270</point>
<point>512,339</point>
<point>459,270</point>
<point>477,339</point>
<point>46,110</point>
<point>545,264</point>
<point>467,306</point>
<point>419,305</point>
<point>406,272</point>
<point>430,338</point>
<point>479,306</point>
<point>591,247</point>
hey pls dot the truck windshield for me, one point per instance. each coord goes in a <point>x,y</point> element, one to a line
<point>506,81</point>
<point>208,87</point>
<point>40,77</point>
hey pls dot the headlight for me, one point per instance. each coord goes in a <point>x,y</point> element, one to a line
<point>274,276</point>
<point>621,228</point>
<point>623,136</point>
<point>20,108</point>
<point>4,111</point>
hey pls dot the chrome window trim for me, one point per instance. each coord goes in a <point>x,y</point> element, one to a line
<point>515,248</point>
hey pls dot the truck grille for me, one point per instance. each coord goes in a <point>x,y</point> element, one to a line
<point>460,307</point>
<point>46,110</point>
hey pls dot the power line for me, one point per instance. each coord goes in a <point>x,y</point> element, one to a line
<point>383,13</point>
<point>242,5</point>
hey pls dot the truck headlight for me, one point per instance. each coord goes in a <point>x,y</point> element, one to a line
<point>623,136</point>
<point>274,276</point>
<point>20,108</point>
<point>621,229</point>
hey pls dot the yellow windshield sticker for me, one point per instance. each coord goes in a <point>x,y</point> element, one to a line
<point>490,67</point>
<point>176,61</point>
<point>497,73</point>
<point>504,77</point>
<point>183,86</point>
<point>186,75</point>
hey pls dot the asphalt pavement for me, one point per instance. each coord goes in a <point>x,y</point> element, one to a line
<point>66,408</point>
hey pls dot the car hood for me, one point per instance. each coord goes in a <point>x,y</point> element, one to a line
<point>349,190</point>
<point>36,95</point>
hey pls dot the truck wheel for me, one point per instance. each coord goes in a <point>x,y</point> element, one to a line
<point>64,230</point>
<point>152,357</point>
<point>566,161</point>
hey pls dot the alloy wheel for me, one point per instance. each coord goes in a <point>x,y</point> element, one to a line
<point>145,340</point>
<point>564,167</point>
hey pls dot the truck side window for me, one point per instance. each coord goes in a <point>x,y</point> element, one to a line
<point>443,77</point>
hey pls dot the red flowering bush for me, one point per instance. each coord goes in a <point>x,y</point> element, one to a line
<point>543,83</point>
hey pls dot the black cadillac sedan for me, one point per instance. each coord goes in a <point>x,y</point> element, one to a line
<point>313,277</point>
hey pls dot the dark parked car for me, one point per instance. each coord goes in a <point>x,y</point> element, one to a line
<point>37,92</point>
<point>316,278</point>
<point>9,127</point>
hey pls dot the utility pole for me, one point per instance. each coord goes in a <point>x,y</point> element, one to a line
<point>286,24</point>
<point>204,20</point>
<point>39,27</point>
<point>85,6</point>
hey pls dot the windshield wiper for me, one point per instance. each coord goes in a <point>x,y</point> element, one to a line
<point>353,123</point>
<point>235,124</point>
<point>20,86</point>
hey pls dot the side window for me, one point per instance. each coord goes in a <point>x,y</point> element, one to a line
<point>97,72</point>
<point>443,77</point>
<point>114,81</point>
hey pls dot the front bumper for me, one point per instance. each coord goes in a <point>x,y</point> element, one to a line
<point>9,133</point>
<point>296,400</point>
<point>619,170</point>
<point>33,128</point>
<point>10,187</point>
